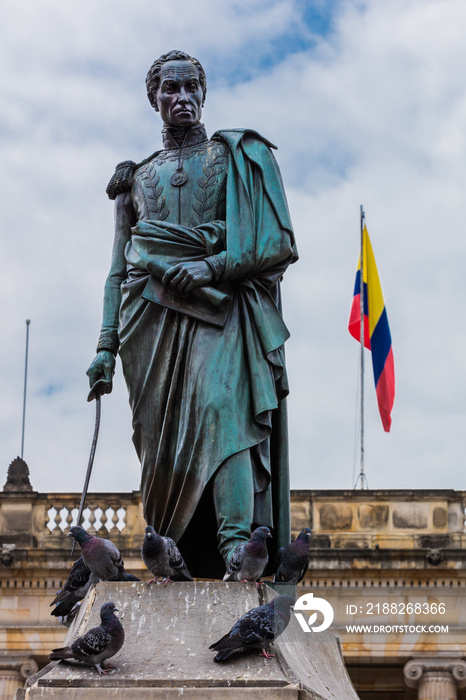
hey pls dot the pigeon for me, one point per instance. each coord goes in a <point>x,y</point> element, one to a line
<point>291,561</point>
<point>163,558</point>
<point>101,556</point>
<point>97,645</point>
<point>68,599</point>
<point>250,558</point>
<point>257,629</point>
<point>74,589</point>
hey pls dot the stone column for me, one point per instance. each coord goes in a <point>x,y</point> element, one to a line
<point>13,673</point>
<point>436,677</point>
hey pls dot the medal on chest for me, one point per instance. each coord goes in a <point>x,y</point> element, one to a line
<point>179,177</point>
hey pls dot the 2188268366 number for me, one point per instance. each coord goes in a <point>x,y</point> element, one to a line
<point>401,608</point>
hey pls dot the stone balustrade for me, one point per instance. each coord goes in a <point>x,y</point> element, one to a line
<point>43,520</point>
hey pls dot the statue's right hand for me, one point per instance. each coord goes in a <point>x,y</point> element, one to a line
<point>101,370</point>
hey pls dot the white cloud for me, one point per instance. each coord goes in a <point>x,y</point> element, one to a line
<point>372,114</point>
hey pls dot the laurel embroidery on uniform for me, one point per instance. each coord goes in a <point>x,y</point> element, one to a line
<point>153,191</point>
<point>206,194</point>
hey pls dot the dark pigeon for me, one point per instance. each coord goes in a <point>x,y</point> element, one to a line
<point>292,560</point>
<point>257,629</point>
<point>68,600</point>
<point>74,589</point>
<point>67,619</point>
<point>162,557</point>
<point>101,556</point>
<point>97,645</point>
<point>250,558</point>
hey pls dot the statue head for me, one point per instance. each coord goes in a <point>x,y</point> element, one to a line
<point>172,72</point>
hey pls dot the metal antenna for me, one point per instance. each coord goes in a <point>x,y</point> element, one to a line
<point>25,385</point>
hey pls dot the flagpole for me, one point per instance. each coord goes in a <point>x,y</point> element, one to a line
<point>362,475</point>
<point>25,385</point>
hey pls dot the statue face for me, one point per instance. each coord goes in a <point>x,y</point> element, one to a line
<point>179,97</point>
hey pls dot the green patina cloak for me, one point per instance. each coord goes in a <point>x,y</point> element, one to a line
<point>200,393</point>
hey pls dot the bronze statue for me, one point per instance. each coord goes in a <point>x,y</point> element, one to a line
<point>192,306</point>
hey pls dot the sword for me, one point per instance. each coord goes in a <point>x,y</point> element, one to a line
<point>95,393</point>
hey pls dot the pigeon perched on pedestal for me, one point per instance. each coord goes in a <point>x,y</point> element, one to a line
<point>257,629</point>
<point>101,556</point>
<point>97,645</point>
<point>80,579</point>
<point>292,560</point>
<point>74,589</point>
<point>163,558</point>
<point>250,558</point>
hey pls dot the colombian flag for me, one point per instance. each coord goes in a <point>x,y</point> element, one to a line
<point>377,336</point>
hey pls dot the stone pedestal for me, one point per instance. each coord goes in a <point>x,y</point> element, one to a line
<point>436,678</point>
<point>166,653</point>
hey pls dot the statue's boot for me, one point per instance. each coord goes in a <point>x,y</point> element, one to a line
<point>233,495</point>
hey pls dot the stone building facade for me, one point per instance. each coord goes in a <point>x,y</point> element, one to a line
<point>369,549</point>
<point>392,560</point>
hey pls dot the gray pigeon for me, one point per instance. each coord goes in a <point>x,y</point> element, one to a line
<point>292,560</point>
<point>101,556</point>
<point>97,645</point>
<point>250,558</point>
<point>74,589</point>
<point>80,579</point>
<point>257,629</point>
<point>163,558</point>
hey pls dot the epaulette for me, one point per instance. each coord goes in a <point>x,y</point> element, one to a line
<point>122,178</point>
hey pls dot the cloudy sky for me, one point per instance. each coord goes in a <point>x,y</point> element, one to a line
<point>366,101</point>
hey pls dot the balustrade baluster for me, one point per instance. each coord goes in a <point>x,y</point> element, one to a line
<point>69,519</point>
<point>92,519</point>
<point>121,518</point>
<point>114,519</point>
<point>57,520</point>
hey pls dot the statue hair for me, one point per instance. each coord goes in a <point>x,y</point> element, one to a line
<point>153,75</point>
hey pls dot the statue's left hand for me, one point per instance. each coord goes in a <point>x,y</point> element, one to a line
<point>184,277</point>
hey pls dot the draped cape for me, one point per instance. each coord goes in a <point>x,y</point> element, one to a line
<point>201,393</point>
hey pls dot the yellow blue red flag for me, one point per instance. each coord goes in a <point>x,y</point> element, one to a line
<point>377,336</point>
